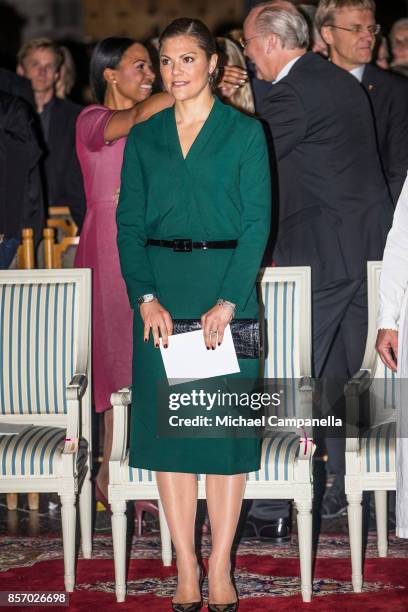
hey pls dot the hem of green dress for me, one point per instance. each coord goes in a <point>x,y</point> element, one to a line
<point>188,469</point>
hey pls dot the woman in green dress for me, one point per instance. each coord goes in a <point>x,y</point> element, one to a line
<point>197,171</point>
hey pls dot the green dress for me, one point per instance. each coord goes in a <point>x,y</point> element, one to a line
<point>220,191</point>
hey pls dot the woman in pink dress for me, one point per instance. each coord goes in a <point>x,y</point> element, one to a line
<point>121,79</point>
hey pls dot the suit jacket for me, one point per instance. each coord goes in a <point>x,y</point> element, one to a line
<point>62,171</point>
<point>21,196</point>
<point>335,208</point>
<point>389,97</point>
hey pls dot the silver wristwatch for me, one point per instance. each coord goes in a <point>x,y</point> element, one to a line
<point>145,299</point>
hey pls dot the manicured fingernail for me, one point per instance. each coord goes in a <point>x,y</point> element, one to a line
<point>208,348</point>
<point>242,81</point>
<point>165,345</point>
<point>156,345</point>
<point>145,339</point>
<point>213,348</point>
<point>219,344</point>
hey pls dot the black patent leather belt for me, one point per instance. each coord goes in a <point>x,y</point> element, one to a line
<point>186,245</point>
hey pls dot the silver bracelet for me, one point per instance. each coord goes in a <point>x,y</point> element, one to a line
<point>222,302</point>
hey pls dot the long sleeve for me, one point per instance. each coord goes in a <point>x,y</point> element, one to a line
<point>396,153</point>
<point>255,190</point>
<point>130,218</point>
<point>284,113</point>
<point>394,275</point>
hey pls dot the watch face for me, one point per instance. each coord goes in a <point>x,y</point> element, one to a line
<point>148,297</point>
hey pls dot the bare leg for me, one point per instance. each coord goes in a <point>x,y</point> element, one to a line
<point>224,501</point>
<point>103,473</point>
<point>178,494</point>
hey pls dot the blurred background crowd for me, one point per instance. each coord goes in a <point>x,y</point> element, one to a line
<point>50,43</point>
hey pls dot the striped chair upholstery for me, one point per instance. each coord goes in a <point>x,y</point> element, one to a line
<point>383,393</point>
<point>36,451</point>
<point>279,452</point>
<point>281,340</point>
<point>41,318</point>
<point>378,445</point>
<point>377,448</point>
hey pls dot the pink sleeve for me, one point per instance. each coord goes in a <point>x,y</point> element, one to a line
<point>91,125</point>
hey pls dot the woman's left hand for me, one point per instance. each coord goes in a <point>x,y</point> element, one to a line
<point>214,323</point>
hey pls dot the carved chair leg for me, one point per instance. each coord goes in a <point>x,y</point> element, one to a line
<point>381,519</point>
<point>33,501</point>
<point>119,547</point>
<point>68,516</point>
<point>11,501</point>
<point>304,523</point>
<point>355,521</point>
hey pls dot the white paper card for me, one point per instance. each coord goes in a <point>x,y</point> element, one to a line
<point>187,357</point>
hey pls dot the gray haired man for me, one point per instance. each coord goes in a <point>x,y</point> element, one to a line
<point>334,205</point>
<point>349,28</point>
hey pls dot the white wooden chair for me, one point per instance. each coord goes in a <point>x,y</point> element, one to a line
<point>286,469</point>
<point>44,393</point>
<point>370,458</point>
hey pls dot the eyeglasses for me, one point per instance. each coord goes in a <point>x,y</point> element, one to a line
<point>400,42</point>
<point>359,29</point>
<point>244,41</point>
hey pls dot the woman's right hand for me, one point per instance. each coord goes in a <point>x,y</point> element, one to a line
<point>157,319</point>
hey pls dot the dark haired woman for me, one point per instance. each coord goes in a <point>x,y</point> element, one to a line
<point>196,171</point>
<point>121,79</point>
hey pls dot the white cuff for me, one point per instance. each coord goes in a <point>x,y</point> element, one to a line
<point>387,323</point>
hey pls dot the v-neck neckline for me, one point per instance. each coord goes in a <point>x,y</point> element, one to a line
<point>200,134</point>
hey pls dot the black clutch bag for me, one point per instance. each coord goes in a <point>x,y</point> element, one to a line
<point>245,334</point>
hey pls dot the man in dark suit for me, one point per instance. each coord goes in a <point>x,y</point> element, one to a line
<point>334,207</point>
<point>350,31</point>
<point>40,60</point>
<point>21,196</point>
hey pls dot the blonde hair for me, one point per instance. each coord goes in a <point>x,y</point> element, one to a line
<point>67,76</point>
<point>231,54</point>
<point>40,43</point>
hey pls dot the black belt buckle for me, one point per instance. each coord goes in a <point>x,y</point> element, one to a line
<point>183,245</point>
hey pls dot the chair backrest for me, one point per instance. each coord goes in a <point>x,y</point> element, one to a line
<point>285,298</point>
<point>56,254</point>
<point>44,338</point>
<point>384,388</point>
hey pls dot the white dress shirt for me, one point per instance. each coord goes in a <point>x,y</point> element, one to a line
<point>358,72</point>
<point>286,69</point>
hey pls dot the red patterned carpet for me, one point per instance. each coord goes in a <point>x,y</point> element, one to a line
<point>267,576</point>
